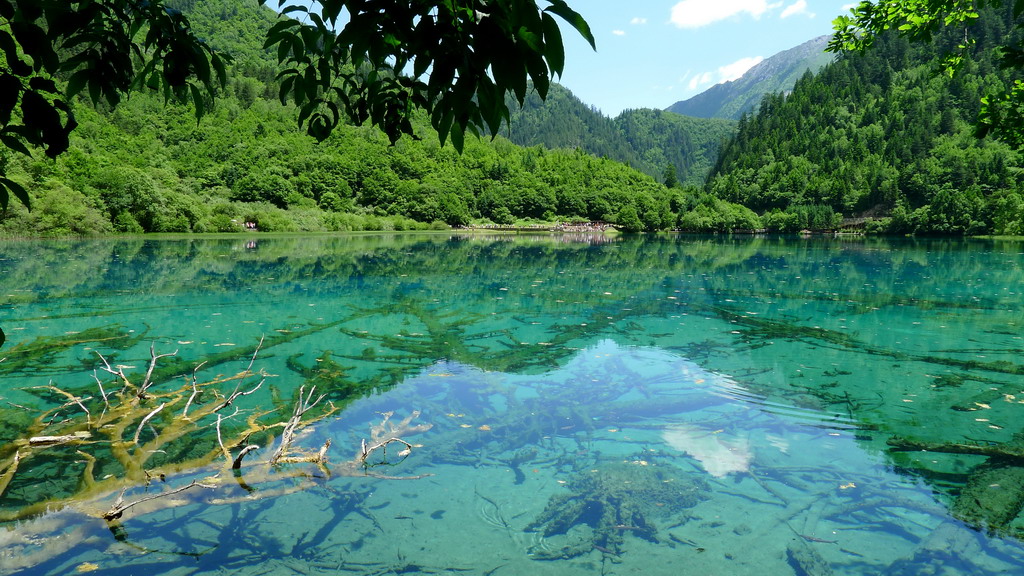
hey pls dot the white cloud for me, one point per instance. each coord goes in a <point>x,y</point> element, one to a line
<point>697,13</point>
<point>638,21</point>
<point>797,8</point>
<point>619,32</point>
<point>723,74</point>
<point>701,80</point>
<point>738,68</point>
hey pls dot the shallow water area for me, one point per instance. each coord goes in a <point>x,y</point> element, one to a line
<point>656,406</point>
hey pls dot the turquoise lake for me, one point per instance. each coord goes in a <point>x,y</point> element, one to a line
<point>565,404</point>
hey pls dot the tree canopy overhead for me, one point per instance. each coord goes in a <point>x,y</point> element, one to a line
<point>357,60</point>
<point>1001,112</point>
<point>53,50</point>
<point>378,60</point>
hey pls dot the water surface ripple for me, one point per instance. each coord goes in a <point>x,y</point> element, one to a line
<point>657,405</point>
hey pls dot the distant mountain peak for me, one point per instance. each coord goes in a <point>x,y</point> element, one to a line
<point>777,73</point>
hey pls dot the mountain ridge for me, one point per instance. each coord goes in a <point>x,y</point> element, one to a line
<point>777,73</point>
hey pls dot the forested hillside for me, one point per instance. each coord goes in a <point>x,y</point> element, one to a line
<point>149,167</point>
<point>651,141</point>
<point>881,134</point>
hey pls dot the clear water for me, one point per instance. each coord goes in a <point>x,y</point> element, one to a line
<point>646,405</point>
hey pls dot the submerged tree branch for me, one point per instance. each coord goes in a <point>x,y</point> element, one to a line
<point>368,449</point>
<point>105,433</point>
<point>55,440</point>
<point>147,419</point>
<point>237,393</point>
<point>5,479</point>
<point>302,405</point>
<point>238,459</point>
<point>119,506</point>
<point>1012,452</point>
<point>153,358</point>
<point>195,390</point>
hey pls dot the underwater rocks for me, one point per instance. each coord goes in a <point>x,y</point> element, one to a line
<point>993,498</point>
<point>608,502</point>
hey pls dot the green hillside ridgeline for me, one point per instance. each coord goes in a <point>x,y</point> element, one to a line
<point>885,140</point>
<point>652,141</point>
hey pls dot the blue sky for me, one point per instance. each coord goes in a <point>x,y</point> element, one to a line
<point>653,53</point>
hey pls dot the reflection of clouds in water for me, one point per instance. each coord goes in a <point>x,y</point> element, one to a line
<point>719,453</point>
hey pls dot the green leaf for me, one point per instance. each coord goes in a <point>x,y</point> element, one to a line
<point>10,49</point>
<point>532,40</point>
<point>38,113</point>
<point>307,110</point>
<point>509,73</point>
<point>218,65</point>
<point>18,191</point>
<point>34,43</point>
<point>10,91</point>
<point>554,50</point>
<point>40,84</point>
<point>335,113</point>
<point>15,144</point>
<point>442,121</point>
<point>324,69</point>
<point>539,73</point>
<point>197,57</point>
<point>282,51</point>
<point>77,81</point>
<point>95,89</point>
<point>279,31</point>
<point>8,46</point>
<point>560,8</point>
<point>420,65</point>
<point>331,9</point>
<point>198,100</point>
<point>458,137</point>
<point>490,105</point>
<point>309,83</point>
<point>286,86</point>
<point>282,34</point>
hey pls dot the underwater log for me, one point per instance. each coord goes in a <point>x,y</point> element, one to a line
<point>992,498</point>
<point>1008,451</point>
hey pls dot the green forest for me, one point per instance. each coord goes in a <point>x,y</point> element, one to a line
<point>654,142</point>
<point>148,166</point>
<point>882,134</point>
<point>879,142</point>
